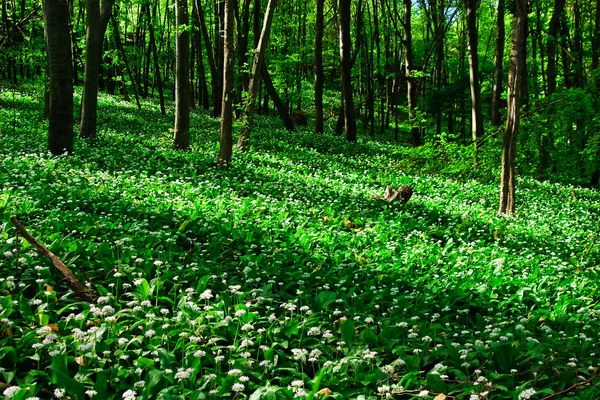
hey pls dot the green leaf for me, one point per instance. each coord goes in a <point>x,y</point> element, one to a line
<point>61,379</point>
<point>153,378</point>
<point>348,332</point>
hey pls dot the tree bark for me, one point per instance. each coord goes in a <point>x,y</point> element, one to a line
<point>119,45</point>
<point>319,74</point>
<point>226,144</point>
<point>257,63</point>
<point>496,118</point>
<point>181,135</point>
<point>60,72</point>
<point>346,63</point>
<point>553,27</point>
<point>97,20</point>
<point>472,38</point>
<point>516,79</point>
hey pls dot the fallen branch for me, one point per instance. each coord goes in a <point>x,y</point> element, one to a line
<point>82,292</point>
<point>567,390</point>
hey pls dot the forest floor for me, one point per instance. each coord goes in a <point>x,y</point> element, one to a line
<point>284,276</point>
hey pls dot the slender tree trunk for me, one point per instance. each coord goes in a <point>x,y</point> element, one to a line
<point>181,135</point>
<point>123,54</point>
<point>516,77</point>
<point>97,21</point>
<point>319,74</point>
<point>553,27</point>
<point>60,71</point>
<point>472,35</point>
<point>411,82</point>
<point>217,85</point>
<point>226,144</point>
<point>257,63</point>
<point>498,66</point>
<point>346,62</point>
<point>596,41</point>
<point>157,78</point>
<point>202,85</point>
<point>282,109</point>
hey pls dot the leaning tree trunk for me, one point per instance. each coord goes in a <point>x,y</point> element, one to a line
<point>346,61</point>
<point>60,71</point>
<point>226,144</point>
<point>496,118</point>
<point>516,79</point>
<point>259,56</point>
<point>97,21</point>
<point>282,109</point>
<point>476,117</point>
<point>319,75</point>
<point>181,135</point>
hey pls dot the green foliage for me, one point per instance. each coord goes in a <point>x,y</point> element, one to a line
<point>284,277</point>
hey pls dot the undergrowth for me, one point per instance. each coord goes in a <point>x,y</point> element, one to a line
<point>283,277</point>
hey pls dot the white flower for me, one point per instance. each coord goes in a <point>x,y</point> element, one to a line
<point>91,393</point>
<point>11,391</point>
<point>206,295</point>
<point>59,393</point>
<point>526,394</point>
<point>237,387</point>
<point>129,395</point>
<point>313,331</point>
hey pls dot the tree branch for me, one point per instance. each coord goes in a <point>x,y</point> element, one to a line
<point>82,292</point>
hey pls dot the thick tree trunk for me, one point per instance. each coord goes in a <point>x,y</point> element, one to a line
<point>319,74</point>
<point>226,144</point>
<point>257,63</point>
<point>97,21</point>
<point>472,35</point>
<point>496,118</point>
<point>60,71</point>
<point>346,62</point>
<point>516,78</point>
<point>181,135</point>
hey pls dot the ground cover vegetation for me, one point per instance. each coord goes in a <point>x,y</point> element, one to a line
<point>284,276</point>
<point>351,245</point>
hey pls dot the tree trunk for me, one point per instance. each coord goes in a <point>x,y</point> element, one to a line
<point>97,21</point>
<point>226,144</point>
<point>559,5</point>
<point>319,75</point>
<point>496,118</point>
<point>157,78</point>
<point>411,82</point>
<point>60,72</point>
<point>217,87</point>
<point>516,78</point>
<point>476,117</point>
<point>282,109</point>
<point>346,62</point>
<point>123,54</point>
<point>181,135</point>
<point>259,56</point>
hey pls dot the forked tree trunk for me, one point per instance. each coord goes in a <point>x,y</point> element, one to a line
<point>476,117</point>
<point>60,71</point>
<point>516,79</point>
<point>97,20</point>
<point>226,144</point>
<point>496,118</point>
<point>319,75</point>
<point>181,135</point>
<point>157,78</point>
<point>346,61</point>
<point>217,89</point>
<point>257,62</point>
